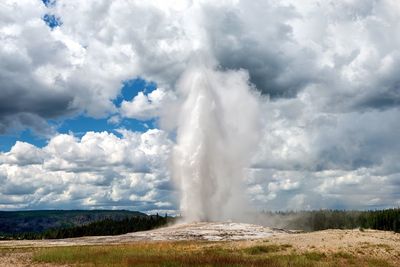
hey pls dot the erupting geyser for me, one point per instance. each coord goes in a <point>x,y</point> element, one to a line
<point>218,129</point>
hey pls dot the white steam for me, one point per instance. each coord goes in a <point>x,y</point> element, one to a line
<point>218,129</point>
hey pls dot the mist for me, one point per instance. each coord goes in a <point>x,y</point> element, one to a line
<point>218,129</point>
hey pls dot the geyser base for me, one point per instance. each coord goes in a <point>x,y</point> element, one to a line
<point>210,231</point>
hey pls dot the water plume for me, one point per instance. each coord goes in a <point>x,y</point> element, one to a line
<point>217,131</point>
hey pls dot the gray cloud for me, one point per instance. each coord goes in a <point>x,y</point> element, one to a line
<point>296,190</point>
<point>256,36</point>
<point>328,71</point>
<point>292,47</point>
<point>298,137</point>
<point>285,46</point>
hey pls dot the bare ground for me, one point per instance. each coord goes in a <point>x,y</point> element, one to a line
<point>373,243</point>
<point>369,243</point>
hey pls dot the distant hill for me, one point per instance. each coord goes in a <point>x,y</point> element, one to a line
<point>12,222</point>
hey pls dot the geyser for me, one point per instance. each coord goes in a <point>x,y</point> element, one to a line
<point>217,131</point>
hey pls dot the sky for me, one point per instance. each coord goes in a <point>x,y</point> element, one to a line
<point>84,86</point>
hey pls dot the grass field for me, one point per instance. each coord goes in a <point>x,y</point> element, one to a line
<point>322,248</point>
<point>197,254</point>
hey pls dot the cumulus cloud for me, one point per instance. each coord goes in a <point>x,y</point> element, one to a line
<point>328,72</point>
<point>273,189</point>
<point>333,160</point>
<point>27,49</point>
<point>145,107</point>
<point>298,137</point>
<point>286,47</point>
<point>97,170</point>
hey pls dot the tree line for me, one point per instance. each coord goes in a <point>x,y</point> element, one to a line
<point>103,227</point>
<point>387,219</point>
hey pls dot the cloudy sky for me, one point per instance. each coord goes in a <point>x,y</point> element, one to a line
<point>83,86</point>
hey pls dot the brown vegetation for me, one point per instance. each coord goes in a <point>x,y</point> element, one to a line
<point>324,248</point>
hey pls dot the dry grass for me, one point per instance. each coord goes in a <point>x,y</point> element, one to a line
<point>322,249</point>
<point>197,254</point>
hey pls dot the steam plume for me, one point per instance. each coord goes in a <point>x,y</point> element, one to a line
<point>217,131</point>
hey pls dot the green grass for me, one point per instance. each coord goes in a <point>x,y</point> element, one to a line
<point>260,249</point>
<point>196,254</point>
<point>314,256</point>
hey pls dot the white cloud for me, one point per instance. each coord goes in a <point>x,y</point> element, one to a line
<point>144,107</point>
<point>298,189</point>
<point>329,69</point>
<point>115,119</point>
<point>286,47</point>
<point>99,169</point>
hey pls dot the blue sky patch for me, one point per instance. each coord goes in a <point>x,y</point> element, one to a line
<point>49,3</point>
<point>82,124</point>
<point>79,126</point>
<point>130,88</point>
<point>9,140</point>
<point>52,21</point>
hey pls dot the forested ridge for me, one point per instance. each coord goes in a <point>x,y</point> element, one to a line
<point>41,220</point>
<point>103,227</point>
<point>387,219</point>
